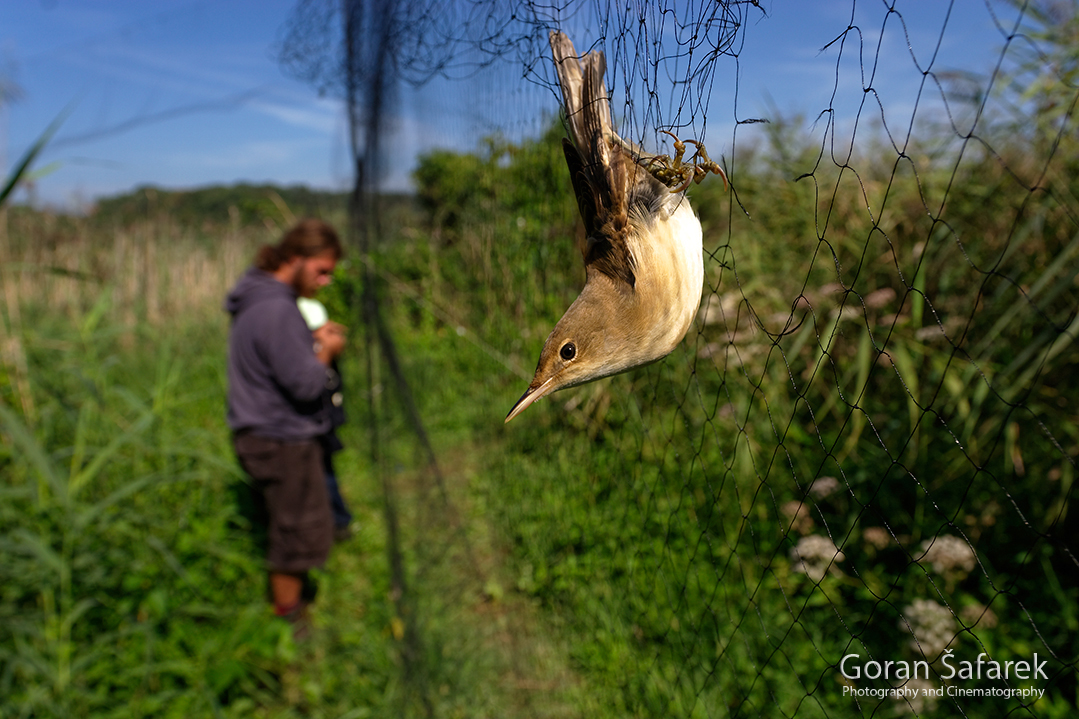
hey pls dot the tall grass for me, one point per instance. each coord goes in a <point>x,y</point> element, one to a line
<point>153,271</point>
<point>132,585</point>
<point>132,580</point>
<point>900,329</point>
<point>623,549</point>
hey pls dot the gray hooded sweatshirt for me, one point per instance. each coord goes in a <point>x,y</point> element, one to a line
<point>275,379</point>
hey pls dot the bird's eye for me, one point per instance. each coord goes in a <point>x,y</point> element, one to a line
<point>568,351</point>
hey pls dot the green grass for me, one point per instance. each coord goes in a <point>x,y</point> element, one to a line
<point>622,549</point>
<point>133,583</point>
<point>860,333</point>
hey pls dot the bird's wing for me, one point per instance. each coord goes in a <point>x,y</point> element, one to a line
<point>598,164</point>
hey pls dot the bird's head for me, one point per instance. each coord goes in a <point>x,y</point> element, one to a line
<point>591,341</point>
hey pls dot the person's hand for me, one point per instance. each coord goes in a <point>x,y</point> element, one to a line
<point>329,341</point>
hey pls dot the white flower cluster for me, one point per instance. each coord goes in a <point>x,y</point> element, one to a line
<point>917,696</point>
<point>797,515</point>
<point>877,537</point>
<point>813,555</point>
<point>823,487</point>
<point>950,556</point>
<point>933,627</point>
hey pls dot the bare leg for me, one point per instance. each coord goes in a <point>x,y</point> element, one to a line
<point>286,590</point>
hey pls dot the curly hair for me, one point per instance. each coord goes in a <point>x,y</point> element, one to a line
<point>308,238</point>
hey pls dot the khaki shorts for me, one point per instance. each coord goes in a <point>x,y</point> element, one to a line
<point>289,476</point>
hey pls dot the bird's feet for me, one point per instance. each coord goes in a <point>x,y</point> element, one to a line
<point>676,174</point>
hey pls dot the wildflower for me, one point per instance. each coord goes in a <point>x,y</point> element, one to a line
<point>950,556</point>
<point>877,537</point>
<point>878,298</point>
<point>932,625</point>
<point>813,555</point>
<point>916,696</point>
<point>823,486</point>
<point>797,514</point>
<point>978,614</point>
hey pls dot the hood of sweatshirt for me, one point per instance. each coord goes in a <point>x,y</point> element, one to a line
<point>254,287</point>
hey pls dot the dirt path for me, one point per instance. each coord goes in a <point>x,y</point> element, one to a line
<point>460,640</point>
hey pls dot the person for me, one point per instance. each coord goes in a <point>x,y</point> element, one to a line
<point>314,313</point>
<point>276,380</point>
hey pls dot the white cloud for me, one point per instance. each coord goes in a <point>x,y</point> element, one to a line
<point>314,114</point>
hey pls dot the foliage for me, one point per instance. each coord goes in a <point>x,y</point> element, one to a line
<point>1043,78</point>
<point>883,361</point>
<point>219,205</point>
<point>22,168</point>
<point>131,584</point>
<point>858,334</point>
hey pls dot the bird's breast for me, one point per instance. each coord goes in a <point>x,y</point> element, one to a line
<point>668,252</point>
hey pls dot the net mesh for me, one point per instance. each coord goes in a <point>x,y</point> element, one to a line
<point>864,450</point>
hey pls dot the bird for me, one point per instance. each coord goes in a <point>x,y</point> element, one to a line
<point>643,256</point>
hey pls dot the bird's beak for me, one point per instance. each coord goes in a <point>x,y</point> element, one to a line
<point>531,395</point>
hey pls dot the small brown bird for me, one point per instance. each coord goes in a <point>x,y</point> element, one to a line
<point>644,269</point>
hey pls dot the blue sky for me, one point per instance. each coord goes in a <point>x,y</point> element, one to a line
<point>182,94</point>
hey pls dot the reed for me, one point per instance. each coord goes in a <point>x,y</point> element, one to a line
<point>152,272</point>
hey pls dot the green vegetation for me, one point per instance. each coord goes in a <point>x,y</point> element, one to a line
<point>239,204</point>
<point>870,369</point>
<point>132,580</point>
<point>131,584</point>
<point>883,366</point>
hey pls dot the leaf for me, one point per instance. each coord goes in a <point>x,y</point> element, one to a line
<point>76,612</point>
<point>32,451</point>
<point>90,514</point>
<point>31,545</point>
<point>79,480</point>
<point>31,154</point>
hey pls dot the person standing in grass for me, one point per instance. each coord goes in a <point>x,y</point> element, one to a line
<point>277,376</point>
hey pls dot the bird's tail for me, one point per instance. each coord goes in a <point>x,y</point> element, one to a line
<point>584,94</point>
<point>599,167</point>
